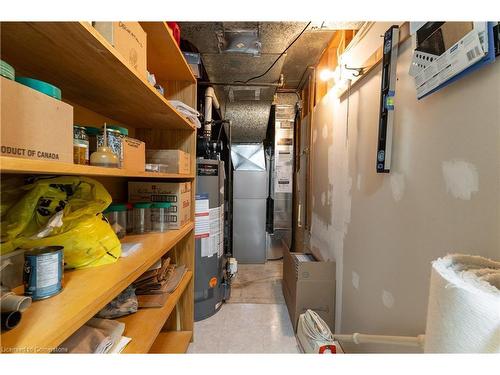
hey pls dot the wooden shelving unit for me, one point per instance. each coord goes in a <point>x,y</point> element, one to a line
<point>28,166</point>
<point>174,342</point>
<point>95,77</point>
<point>145,325</point>
<point>89,71</point>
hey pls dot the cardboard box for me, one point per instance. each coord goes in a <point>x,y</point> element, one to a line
<point>34,125</point>
<point>177,193</point>
<point>177,161</point>
<point>134,155</point>
<point>309,285</point>
<point>129,39</point>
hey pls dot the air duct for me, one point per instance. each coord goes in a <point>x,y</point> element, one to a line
<point>210,101</point>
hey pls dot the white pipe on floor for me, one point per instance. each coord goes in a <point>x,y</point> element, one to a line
<point>360,338</point>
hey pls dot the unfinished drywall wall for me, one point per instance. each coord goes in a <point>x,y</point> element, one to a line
<point>442,195</point>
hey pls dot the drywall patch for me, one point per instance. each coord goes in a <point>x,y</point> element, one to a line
<point>358,182</point>
<point>397,185</point>
<point>355,280</point>
<point>387,299</point>
<point>315,135</point>
<point>461,178</point>
<point>323,198</point>
<point>324,132</point>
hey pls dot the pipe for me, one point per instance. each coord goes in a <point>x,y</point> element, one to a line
<point>12,302</point>
<point>10,320</point>
<point>210,101</point>
<point>360,338</point>
<point>265,84</point>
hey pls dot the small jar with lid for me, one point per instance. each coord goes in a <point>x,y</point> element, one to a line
<point>81,154</point>
<point>116,214</point>
<point>115,136</point>
<point>142,217</point>
<point>159,216</point>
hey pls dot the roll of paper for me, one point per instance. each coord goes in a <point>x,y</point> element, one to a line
<point>463,314</point>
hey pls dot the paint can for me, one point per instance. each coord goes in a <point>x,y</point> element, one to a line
<point>43,272</point>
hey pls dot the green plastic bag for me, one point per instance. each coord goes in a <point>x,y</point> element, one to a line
<point>63,211</point>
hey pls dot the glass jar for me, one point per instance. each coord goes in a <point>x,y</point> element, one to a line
<point>81,154</point>
<point>92,134</point>
<point>116,214</point>
<point>142,217</point>
<point>115,142</point>
<point>159,216</point>
<point>130,218</point>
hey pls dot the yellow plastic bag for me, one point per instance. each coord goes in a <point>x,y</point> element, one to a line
<point>63,211</point>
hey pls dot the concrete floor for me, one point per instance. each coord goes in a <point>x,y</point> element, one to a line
<point>255,319</point>
<point>245,328</point>
<point>258,283</point>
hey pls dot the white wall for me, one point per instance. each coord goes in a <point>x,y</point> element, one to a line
<point>442,195</point>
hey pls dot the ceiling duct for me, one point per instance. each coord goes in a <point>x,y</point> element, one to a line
<point>240,41</point>
<point>237,93</point>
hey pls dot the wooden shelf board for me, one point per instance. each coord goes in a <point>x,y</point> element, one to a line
<point>89,71</point>
<point>47,323</point>
<point>165,59</point>
<point>144,326</point>
<point>30,166</point>
<point>172,342</point>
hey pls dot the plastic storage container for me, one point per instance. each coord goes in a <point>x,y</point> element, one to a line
<point>142,217</point>
<point>130,217</point>
<point>116,214</point>
<point>159,216</point>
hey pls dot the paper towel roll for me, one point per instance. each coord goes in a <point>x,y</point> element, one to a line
<point>463,315</point>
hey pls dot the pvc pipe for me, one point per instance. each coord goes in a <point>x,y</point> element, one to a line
<point>12,302</point>
<point>210,101</point>
<point>360,338</point>
<point>10,320</point>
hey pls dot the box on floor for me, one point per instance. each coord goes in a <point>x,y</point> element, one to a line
<point>309,283</point>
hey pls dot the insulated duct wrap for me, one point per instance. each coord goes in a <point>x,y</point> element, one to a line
<point>248,120</point>
<point>463,314</point>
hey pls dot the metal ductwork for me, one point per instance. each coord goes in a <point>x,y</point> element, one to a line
<point>233,52</point>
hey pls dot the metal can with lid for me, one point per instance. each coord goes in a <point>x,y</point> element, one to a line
<point>81,154</point>
<point>43,272</point>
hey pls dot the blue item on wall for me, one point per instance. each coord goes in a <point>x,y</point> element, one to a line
<point>486,60</point>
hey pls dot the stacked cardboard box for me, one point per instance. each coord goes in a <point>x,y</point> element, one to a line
<point>176,193</point>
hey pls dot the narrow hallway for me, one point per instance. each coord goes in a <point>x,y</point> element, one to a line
<point>254,320</point>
